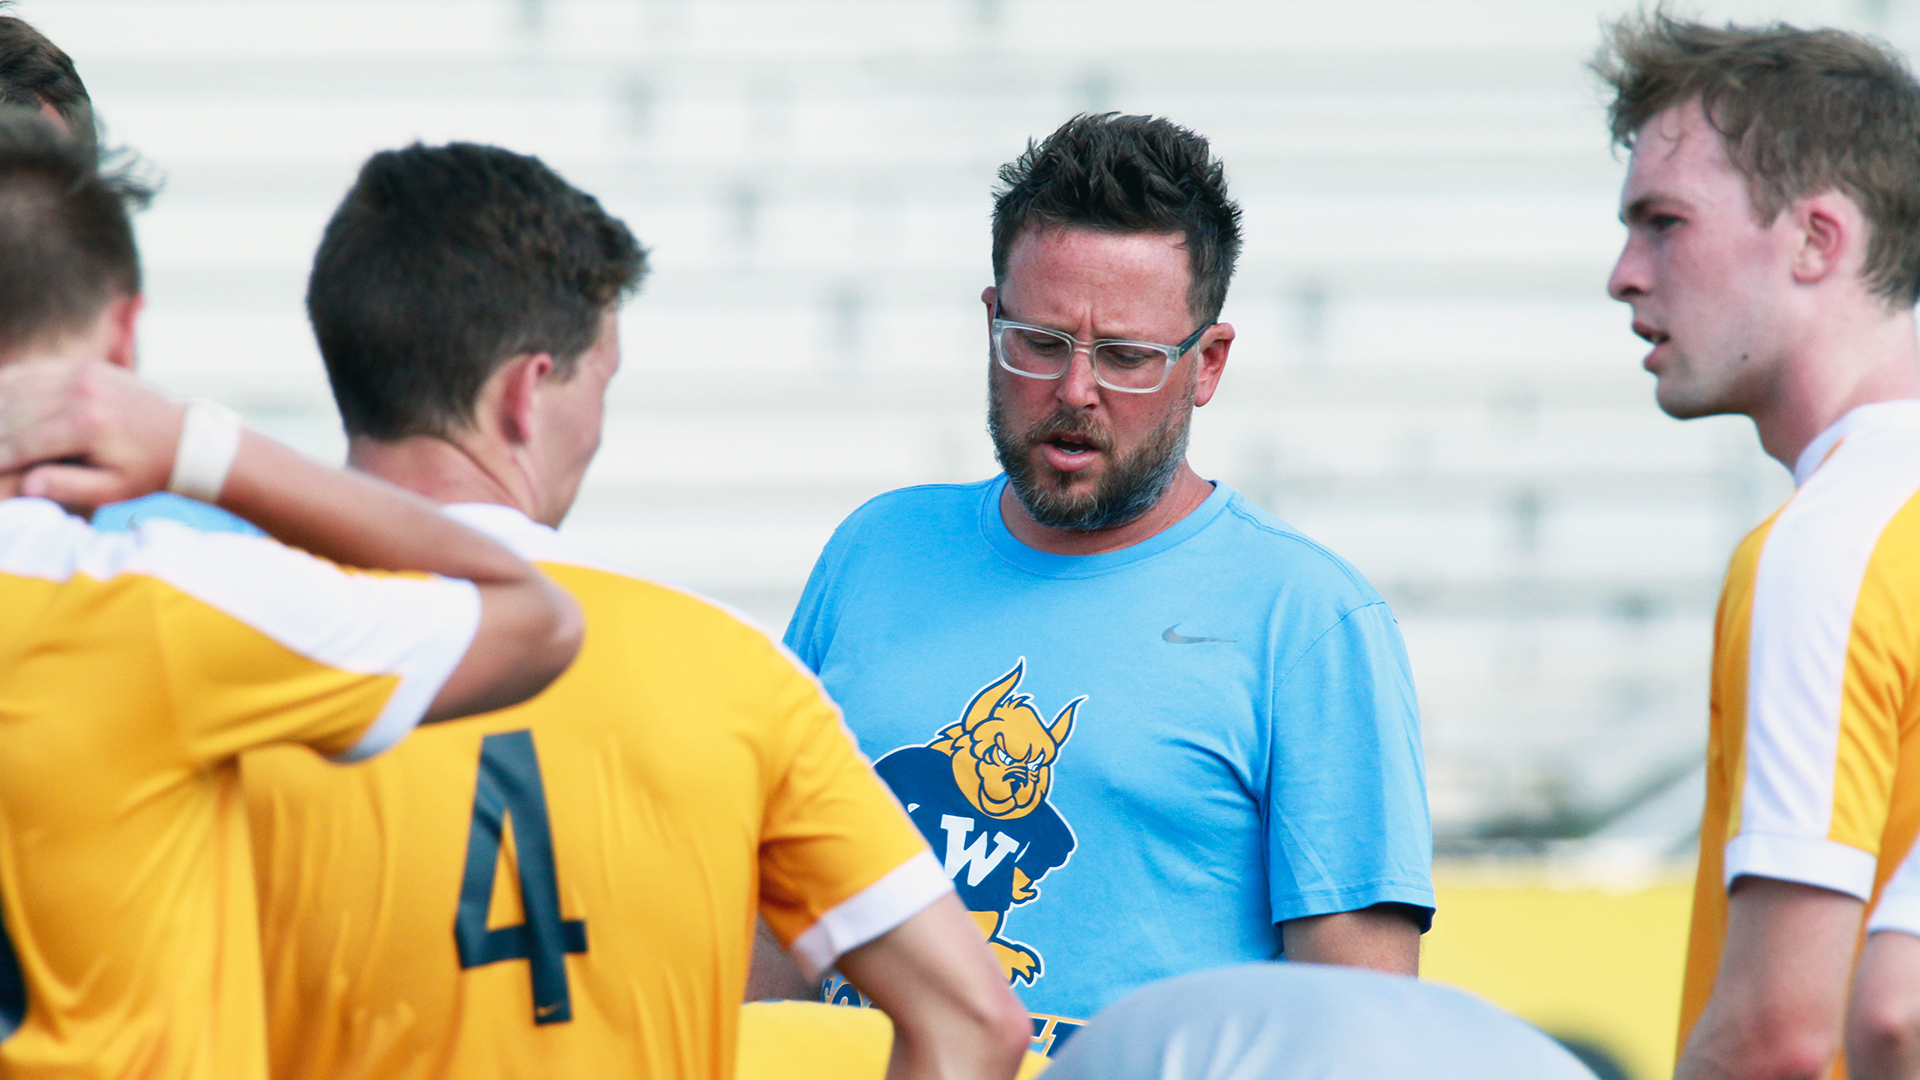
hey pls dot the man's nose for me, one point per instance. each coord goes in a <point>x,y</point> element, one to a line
<point>1629,277</point>
<point>1078,387</point>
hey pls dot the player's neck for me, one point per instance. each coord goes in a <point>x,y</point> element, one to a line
<point>1183,497</point>
<point>447,470</point>
<point>1846,364</point>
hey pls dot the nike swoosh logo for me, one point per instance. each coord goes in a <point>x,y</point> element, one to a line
<point>546,1010</point>
<point>1182,639</point>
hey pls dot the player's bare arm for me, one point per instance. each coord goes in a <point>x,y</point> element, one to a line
<point>1781,993</point>
<point>1384,938</point>
<point>84,433</point>
<point>1883,1019</point>
<point>953,1014</point>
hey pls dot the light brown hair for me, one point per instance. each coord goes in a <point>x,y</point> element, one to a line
<point>1800,111</point>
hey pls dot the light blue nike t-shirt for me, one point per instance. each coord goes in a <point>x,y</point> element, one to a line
<point>1132,765</point>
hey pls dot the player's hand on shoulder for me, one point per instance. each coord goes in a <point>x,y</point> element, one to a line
<point>84,432</point>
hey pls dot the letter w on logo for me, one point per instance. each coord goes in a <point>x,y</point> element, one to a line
<point>973,856</point>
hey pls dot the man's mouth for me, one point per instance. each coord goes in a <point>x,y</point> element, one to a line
<point>1067,453</point>
<point>1656,338</point>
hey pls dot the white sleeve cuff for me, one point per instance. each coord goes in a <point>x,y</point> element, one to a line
<point>1899,906</point>
<point>1896,912</point>
<point>443,644</point>
<point>1827,864</point>
<point>904,892</point>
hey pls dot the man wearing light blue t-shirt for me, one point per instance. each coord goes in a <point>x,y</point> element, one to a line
<point>1147,727</point>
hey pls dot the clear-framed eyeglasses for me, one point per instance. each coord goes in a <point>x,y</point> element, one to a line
<point>1131,367</point>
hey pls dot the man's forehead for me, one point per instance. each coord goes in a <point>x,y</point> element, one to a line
<point>1674,152</point>
<point>1134,262</point>
<point>1674,125</point>
<point>1086,240</point>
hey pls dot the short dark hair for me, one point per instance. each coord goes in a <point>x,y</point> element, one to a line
<point>1125,174</point>
<point>445,262</point>
<point>34,71</point>
<point>1799,111</point>
<point>66,235</point>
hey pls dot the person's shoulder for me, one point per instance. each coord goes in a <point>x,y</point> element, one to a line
<point>614,595</point>
<point>39,539</point>
<point>918,505</point>
<point>1266,549</point>
<point>900,531</point>
<point>1863,498</point>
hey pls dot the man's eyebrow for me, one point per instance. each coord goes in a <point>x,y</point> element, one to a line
<point>1638,209</point>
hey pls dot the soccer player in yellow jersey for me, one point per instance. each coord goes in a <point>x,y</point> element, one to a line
<point>1772,206</point>
<point>135,669</point>
<point>569,888</point>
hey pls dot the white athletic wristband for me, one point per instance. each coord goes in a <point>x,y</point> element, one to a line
<point>209,439</point>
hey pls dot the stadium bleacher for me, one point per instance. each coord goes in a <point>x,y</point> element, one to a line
<point>1428,378</point>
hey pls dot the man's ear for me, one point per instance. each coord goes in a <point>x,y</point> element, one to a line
<point>118,326</point>
<point>1832,234</point>
<point>1211,362</point>
<point>519,383</point>
<point>989,296</point>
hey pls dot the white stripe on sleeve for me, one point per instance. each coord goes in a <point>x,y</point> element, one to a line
<point>444,635</point>
<point>1804,594</point>
<point>415,628</point>
<point>1899,906</point>
<point>904,892</point>
<point>1828,864</point>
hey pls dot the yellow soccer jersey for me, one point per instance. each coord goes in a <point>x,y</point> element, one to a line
<point>568,887</point>
<point>133,671</point>
<point>1813,758</point>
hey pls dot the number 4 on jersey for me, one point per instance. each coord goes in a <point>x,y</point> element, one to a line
<point>13,988</point>
<point>510,787</point>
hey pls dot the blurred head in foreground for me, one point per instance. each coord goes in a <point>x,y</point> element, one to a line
<point>35,74</point>
<point>467,294</point>
<point>1308,1022</point>
<point>69,271</point>
<point>1773,188</point>
<point>1115,232</point>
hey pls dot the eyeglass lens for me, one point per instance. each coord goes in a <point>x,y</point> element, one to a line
<point>1039,353</point>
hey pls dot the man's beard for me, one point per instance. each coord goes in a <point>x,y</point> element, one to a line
<point>1132,485</point>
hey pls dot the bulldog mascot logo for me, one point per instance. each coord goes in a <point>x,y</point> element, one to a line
<point>978,792</point>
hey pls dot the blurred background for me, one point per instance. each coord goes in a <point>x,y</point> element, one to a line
<point>1428,377</point>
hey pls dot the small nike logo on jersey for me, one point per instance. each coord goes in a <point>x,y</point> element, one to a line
<point>546,1010</point>
<point>1182,639</point>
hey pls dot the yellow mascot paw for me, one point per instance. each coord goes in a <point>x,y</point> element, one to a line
<point>1017,962</point>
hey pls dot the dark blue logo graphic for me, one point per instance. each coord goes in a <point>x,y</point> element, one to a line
<point>978,792</point>
<point>13,987</point>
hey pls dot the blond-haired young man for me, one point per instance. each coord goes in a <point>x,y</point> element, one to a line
<point>1772,207</point>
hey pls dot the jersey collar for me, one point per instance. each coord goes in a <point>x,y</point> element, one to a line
<point>522,535</point>
<point>1905,411</point>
